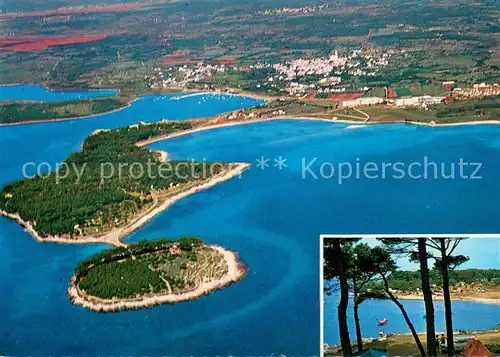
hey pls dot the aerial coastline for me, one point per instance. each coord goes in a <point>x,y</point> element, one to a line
<point>366,119</point>
<point>236,271</point>
<point>202,269</point>
<point>114,213</point>
<point>114,237</point>
<point>128,104</point>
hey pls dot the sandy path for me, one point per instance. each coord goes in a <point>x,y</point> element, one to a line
<point>114,237</point>
<point>453,298</point>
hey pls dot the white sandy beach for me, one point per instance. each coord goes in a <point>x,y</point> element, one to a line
<point>114,237</point>
<point>453,298</point>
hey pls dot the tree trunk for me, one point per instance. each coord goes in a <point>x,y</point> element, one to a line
<point>344,301</point>
<point>356,316</point>
<point>447,298</point>
<point>426,290</point>
<point>405,315</point>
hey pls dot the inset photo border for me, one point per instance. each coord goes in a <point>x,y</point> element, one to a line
<point>378,297</point>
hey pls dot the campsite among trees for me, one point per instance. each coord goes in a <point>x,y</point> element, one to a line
<point>353,268</point>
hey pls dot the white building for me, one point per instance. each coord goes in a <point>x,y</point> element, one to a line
<point>406,102</point>
<point>418,101</point>
<point>362,101</point>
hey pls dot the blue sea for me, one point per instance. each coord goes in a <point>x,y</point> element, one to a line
<point>272,217</point>
<point>36,93</point>
<point>467,316</point>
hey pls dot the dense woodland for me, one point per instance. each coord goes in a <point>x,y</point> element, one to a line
<point>360,272</point>
<point>411,281</point>
<point>22,112</point>
<point>64,204</point>
<point>126,272</point>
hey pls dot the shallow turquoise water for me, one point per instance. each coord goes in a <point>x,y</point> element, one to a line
<point>43,94</point>
<point>271,217</point>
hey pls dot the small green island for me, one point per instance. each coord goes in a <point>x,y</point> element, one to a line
<point>97,197</point>
<point>151,273</point>
<point>100,195</point>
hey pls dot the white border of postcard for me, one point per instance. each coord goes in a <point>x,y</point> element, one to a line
<point>322,237</point>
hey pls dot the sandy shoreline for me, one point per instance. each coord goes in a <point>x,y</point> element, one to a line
<point>114,237</point>
<point>189,92</point>
<point>441,298</point>
<point>229,124</point>
<point>236,272</point>
<point>345,121</point>
<point>28,227</point>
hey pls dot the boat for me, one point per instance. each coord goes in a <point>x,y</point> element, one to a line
<point>383,322</point>
<point>355,126</point>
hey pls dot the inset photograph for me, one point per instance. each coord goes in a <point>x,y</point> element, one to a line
<point>400,295</point>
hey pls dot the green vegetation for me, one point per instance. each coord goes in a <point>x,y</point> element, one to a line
<point>122,280</point>
<point>434,41</point>
<point>150,267</point>
<point>371,273</point>
<point>487,109</point>
<point>100,188</point>
<point>21,112</point>
<point>403,345</point>
<point>411,281</point>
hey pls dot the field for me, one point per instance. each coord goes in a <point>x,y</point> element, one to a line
<point>40,43</point>
<point>84,10</point>
<point>416,90</point>
<point>431,41</point>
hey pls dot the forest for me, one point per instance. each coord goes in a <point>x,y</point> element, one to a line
<point>23,112</point>
<point>411,280</point>
<point>125,272</point>
<point>64,202</point>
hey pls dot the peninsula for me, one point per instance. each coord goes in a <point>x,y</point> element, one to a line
<point>110,188</point>
<point>151,273</point>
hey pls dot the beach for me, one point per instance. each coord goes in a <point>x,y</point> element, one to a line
<point>283,117</point>
<point>186,93</point>
<point>236,271</point>
<point>484,300</point>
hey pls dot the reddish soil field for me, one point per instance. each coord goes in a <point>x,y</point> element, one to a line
<point>346,96</point>
<point>67,12</point>
<point>311,96</point>
<point>223,61</point>
<point>178,57</point>
<point>40,43</point>
<point>179,61</point>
